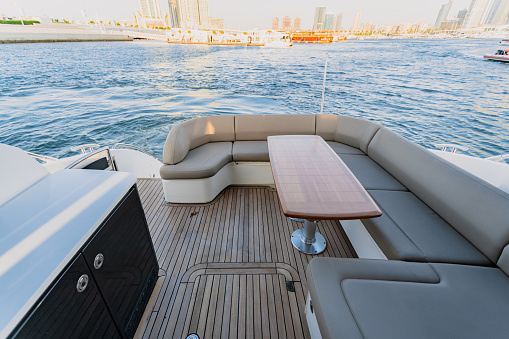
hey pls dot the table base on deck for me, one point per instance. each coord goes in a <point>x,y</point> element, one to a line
<point>307,240</point>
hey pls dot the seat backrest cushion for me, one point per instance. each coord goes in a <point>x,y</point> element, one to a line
<point>18,172</point>
<point>503,261</point>
<point>326,126</point>
<point>196,132</point>
<point>355,132</point>
<point>476,209</point>
<point>260,126</point>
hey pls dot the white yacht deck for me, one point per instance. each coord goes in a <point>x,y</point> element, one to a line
<point>226,266</point>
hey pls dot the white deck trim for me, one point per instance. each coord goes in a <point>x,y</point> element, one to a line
<point>361,240</point>
<point>199,191</point>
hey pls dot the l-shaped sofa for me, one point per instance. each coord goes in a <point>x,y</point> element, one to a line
<point>444,230</point>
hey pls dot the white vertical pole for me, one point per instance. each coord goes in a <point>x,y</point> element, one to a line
<point>324,78</point>
<point>21,14</point>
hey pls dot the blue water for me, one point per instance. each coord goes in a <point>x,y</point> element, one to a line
<point>53,96</point>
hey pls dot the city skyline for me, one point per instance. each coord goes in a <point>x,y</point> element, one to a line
<point>376,12</point>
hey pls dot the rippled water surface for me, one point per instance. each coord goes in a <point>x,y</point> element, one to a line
<point>53,96</point>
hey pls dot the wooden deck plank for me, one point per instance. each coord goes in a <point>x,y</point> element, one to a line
<point>264,307</point>
<point>219,310</point>
<point>228,300</point>
<point>237,241</point>
<point>234,314</point>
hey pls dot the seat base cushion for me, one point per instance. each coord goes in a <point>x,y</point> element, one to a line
<point>251,151</point>
<point>340,148</point>
<point>370,174</point>
<point>202,162</point>
<point>357,298</point>
<point>409,230</point>
<point>259,150</point>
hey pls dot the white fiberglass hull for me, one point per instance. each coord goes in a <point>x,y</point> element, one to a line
<point>493,57</point>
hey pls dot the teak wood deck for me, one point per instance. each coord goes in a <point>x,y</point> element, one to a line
<point>228,267</point>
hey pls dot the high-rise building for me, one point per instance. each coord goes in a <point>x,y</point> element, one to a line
<point>216,23</point>
<point>462,14</point>
<point>194,13</point>
<point>296,24</point>
<point>443,14</point>
<point>475,13</point>
<point>150,8</point>
<point>368,27</point>
<point>319,19</point>
<point>498,13</point>
<point>174,14</point>
<point>490,11</point>
<point>287,23</point>
<point>328,22</point>
<point>275,23</point>
<point>356,22</point>
<point>338,19</point>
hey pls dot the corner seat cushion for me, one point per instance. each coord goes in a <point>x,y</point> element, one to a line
<point>409,230</point>
<point>201,162</point>
<point>340,148</point>
<point>356,132</point>
<point>370,174</point>
<point>251,151</point>
<point>356,298</point>
<point>196,132</point>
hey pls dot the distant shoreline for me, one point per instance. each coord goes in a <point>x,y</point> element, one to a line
<point>56,33</point>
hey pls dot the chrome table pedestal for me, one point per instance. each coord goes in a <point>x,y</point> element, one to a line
<point>307,240</point>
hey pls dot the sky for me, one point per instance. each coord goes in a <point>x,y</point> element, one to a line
<point>242,14</point>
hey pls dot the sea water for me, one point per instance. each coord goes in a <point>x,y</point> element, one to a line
<point>57,95</point>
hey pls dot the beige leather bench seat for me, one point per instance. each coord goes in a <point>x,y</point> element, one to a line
<point>356,298</point>
<point>201,162</point>
<point>341,148</point>
<point>371,175</point>
<point>414,226</point>
<point>409,230</point>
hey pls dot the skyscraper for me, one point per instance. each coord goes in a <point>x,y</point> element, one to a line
<point>275,23</point>
<point>194,13</point>
<point>174,14</point>
<point>296,24</point>
<point>356,22</point>
<point>287,23</point>
<point>475,13</point>
<point>328,22</point>
<point>150,8</point>
<point>443,14</point>
<point>217,23</point>
<point>498,13</point>
<point>338,19</point>
<point>462,14</point>
<point>319,18</point>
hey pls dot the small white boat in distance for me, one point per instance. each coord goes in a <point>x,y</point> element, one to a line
<point>505,41</point>
<point>500,55</point>
<point>279,41</point>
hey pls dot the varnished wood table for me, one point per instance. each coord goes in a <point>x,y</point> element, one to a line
<point>314,184</point>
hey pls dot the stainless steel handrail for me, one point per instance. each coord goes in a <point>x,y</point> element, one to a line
<point>83,148</point>
<point>41,157</point>
<point>121,144</point>
<point>453,147</point>
<point>88,155</point>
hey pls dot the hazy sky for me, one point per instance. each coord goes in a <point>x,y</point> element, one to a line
<point>247,14</point>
